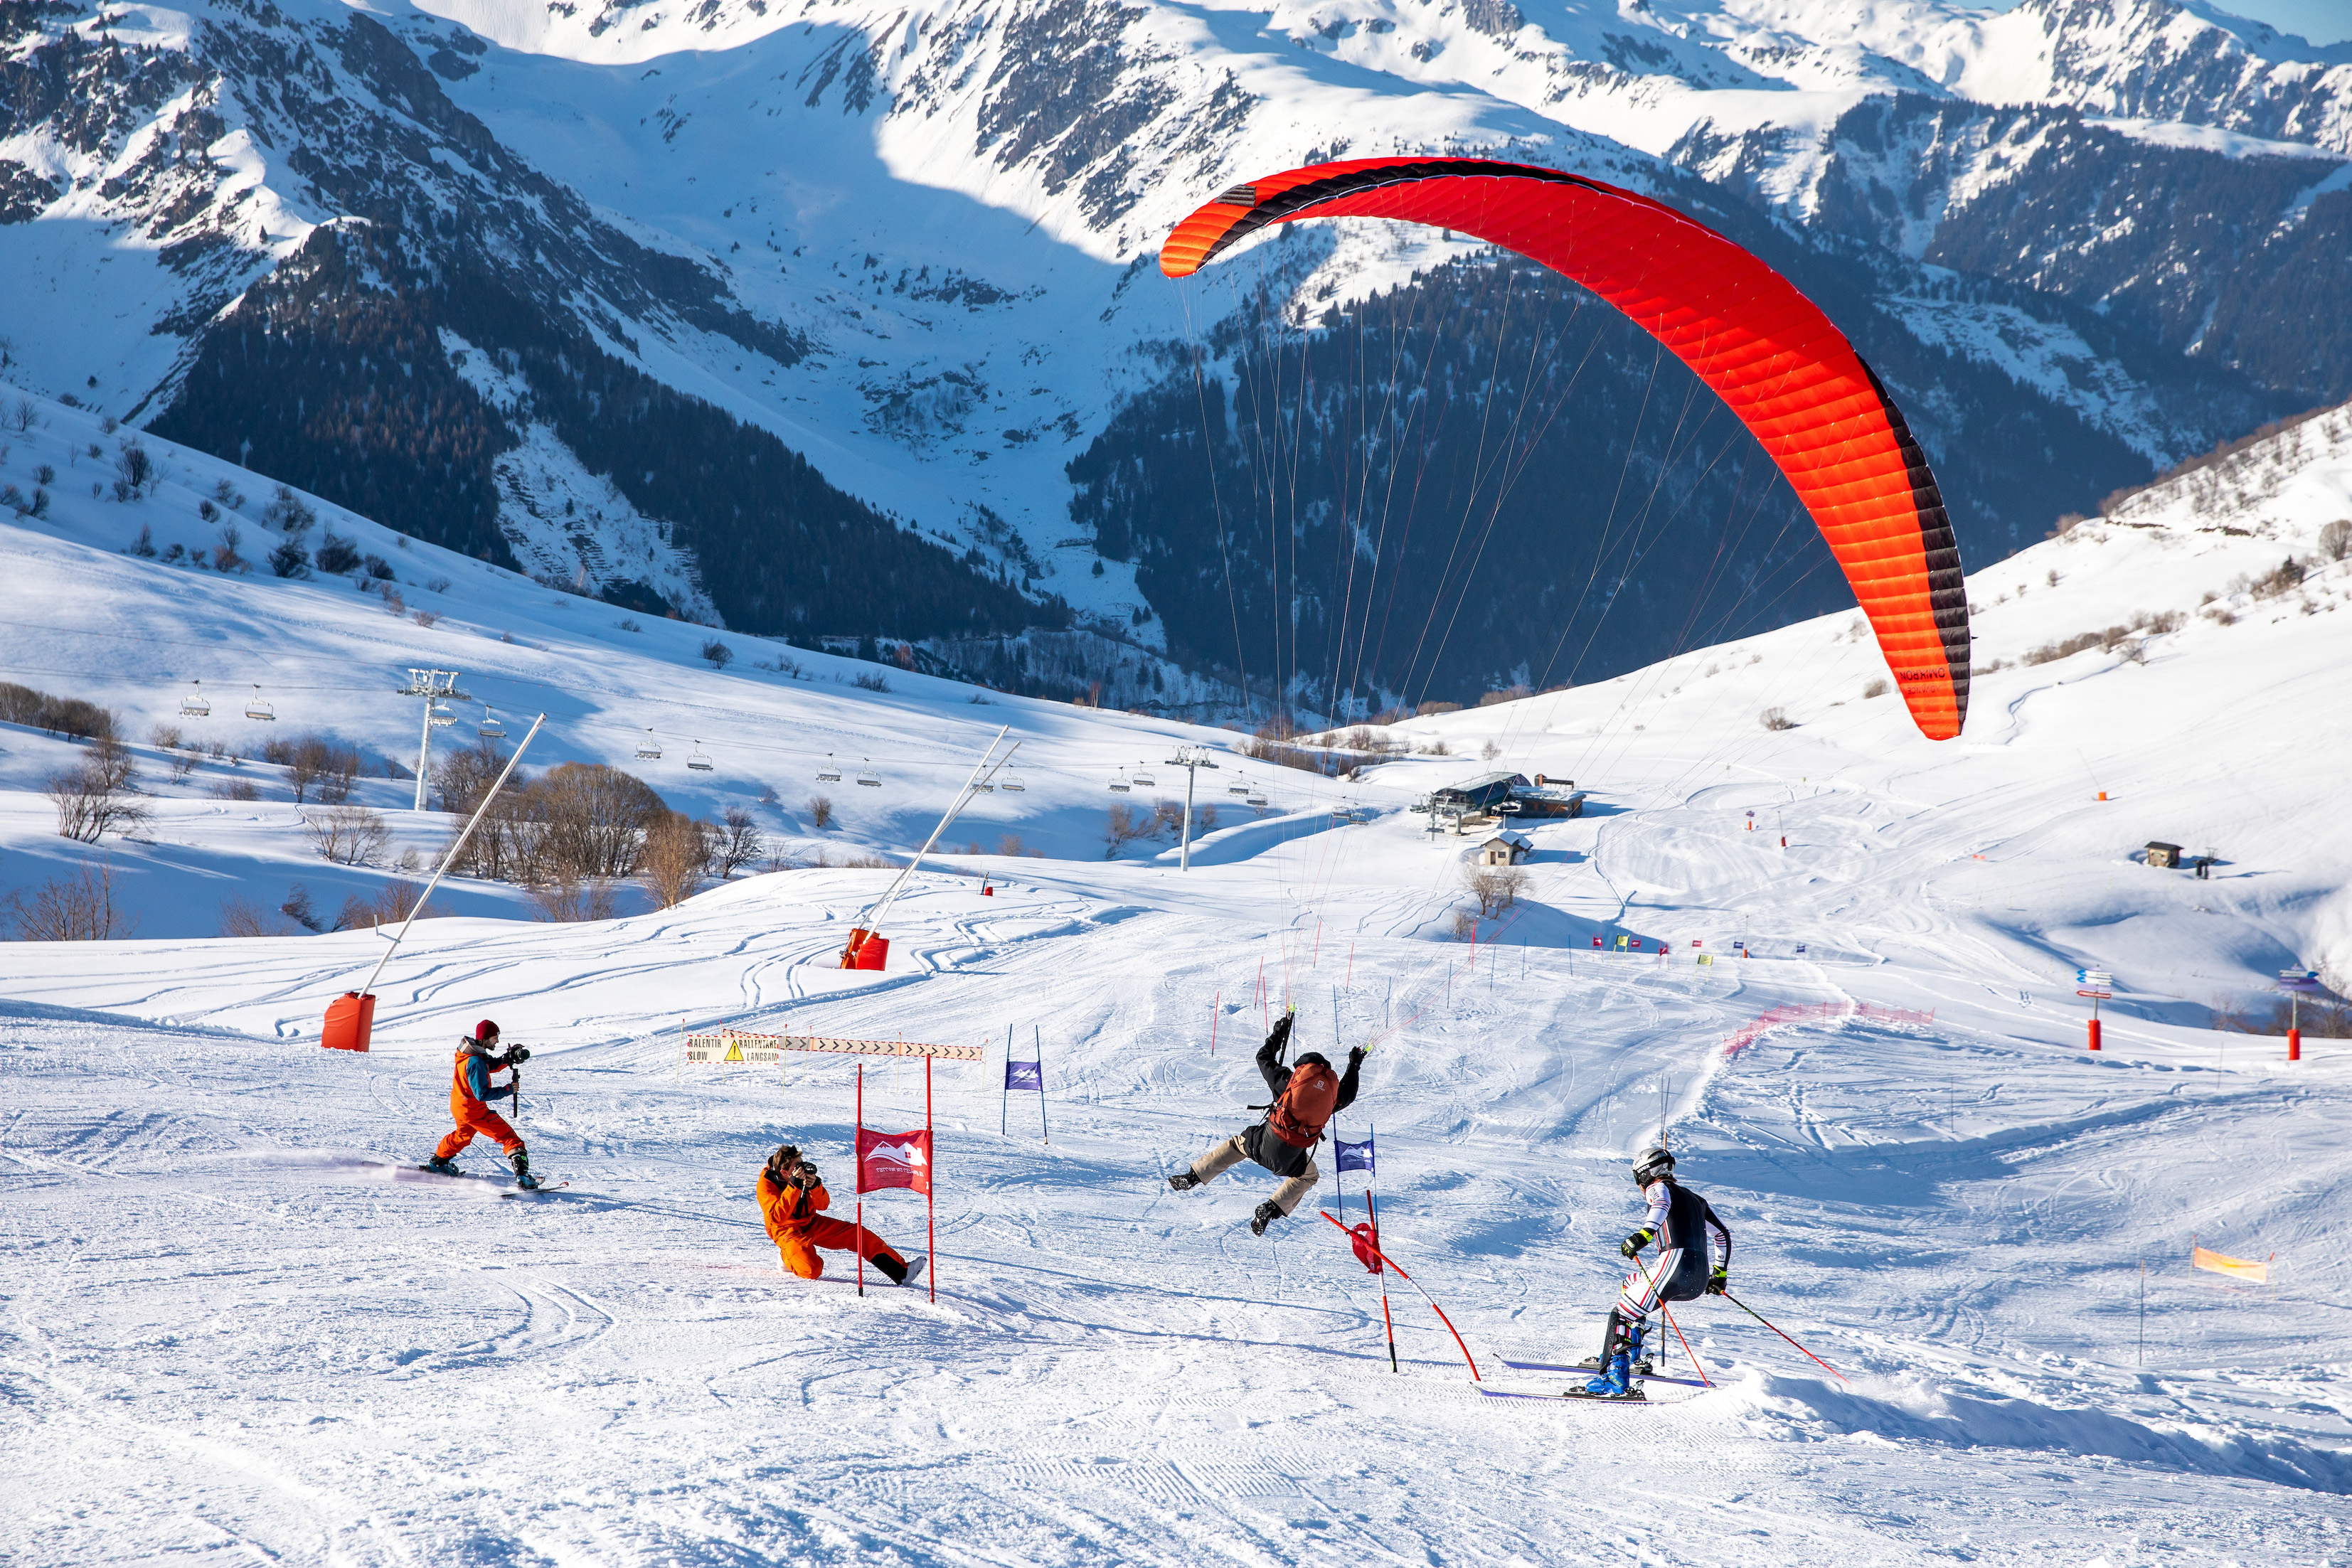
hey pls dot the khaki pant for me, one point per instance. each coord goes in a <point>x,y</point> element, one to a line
<point>1230,1153</point>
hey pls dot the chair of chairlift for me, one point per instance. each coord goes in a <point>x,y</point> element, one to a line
<point>1010,783</point>
<point>696,762</point>
<point>868,778</point>
<point>442,717</point>
<point>491,730</point>
<point>649,750</point>
<point>256,708</point>
<point>195,705</point>
<point>1237,788</point>
<point>1118,782</point>
<point>1143,780</point>
<point>1256,802</point>
<point>828,771</point>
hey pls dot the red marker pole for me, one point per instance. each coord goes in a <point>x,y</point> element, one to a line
<point>2094,1023</point>
<point>931,1190</point>
<point>858,1168</point>
<point>1386,1322</point>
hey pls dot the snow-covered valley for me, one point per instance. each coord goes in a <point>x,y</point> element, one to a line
<point>235,1323</point>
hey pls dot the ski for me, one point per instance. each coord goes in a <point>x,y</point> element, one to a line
<point>480,1175</point>
<point>1644,1376</point>
<point>1635,1398</point>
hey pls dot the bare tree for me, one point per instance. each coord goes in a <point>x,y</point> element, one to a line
<point>1124,825</point>
<point>1776,718</point>
<point>739,842</point>
<point>93,798</point>
<point>570,899</point>
<point>719,655</point>
<point>347,835</point>
<point>240,917</point>
<point>820,810</point>
<point>676,858</point>
<point>1496,887</point>
<point>2335,539</point>
<point>77,908</point>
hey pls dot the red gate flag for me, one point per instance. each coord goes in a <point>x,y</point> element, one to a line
<point>894,1159</point>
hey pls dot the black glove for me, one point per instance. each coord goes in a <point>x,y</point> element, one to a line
<point>1355,1057</point>
<point>1635,1243</point>
<point>1719,1281</point>
<point>1281,1032</point>
<point>806,1179</point>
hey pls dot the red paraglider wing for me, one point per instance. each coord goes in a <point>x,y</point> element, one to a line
<point>1744,330</point>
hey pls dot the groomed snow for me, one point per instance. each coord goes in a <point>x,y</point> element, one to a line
<point>236,1325</point>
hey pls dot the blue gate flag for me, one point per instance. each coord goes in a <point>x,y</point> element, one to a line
<point>1354,1156</point>
<point>1025,1075</point>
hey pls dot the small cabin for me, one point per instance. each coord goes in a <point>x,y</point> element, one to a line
<point>1503,849</point>
<point>2163,855</point>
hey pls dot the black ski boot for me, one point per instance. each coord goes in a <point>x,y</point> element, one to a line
<point>1267,1213</point>
<point>1184,1181</point>
<point>892,1270</point>
<point>523,1178</point>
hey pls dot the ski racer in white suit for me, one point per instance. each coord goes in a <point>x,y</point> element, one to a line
<point>1678,1221</point>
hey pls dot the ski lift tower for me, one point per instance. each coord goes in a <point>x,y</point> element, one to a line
<point>433,686</point>
<point>1191,759</point>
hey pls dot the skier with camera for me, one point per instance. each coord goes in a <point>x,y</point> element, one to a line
<point>470,1092</point>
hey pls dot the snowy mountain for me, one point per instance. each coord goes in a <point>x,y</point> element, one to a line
<point>240,1321</point>
<point>830,322</point>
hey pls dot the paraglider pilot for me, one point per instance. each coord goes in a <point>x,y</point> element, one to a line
<point>469,1095</point>
<point>1678,1221</point>
<point>1305,1097</point>
<point>791,1194</point>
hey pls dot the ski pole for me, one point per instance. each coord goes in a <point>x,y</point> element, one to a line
<point>1651,1279</point>
<point>1760,1318</point>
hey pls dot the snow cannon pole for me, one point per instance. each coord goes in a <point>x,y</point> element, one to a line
<point>455,850</point>
<point>1425,1296</point>
<point>871,919</point>
<point>1760,1318</point>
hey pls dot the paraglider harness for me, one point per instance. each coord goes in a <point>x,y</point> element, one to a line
<point>1298,1114</point>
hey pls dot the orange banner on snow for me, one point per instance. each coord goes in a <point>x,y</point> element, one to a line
<point>2236,1268</point>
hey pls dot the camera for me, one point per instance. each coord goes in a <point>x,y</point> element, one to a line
<point>804,1176</point>
<point>517,1055</point>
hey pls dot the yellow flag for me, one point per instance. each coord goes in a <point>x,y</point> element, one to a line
<point>2236,1268</point>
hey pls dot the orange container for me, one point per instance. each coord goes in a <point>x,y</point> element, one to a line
<point>866,950</point>
<point>350,1018</point>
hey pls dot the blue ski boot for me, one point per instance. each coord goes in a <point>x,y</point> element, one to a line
<point>440,1167</point>
<point>1614,1379</point>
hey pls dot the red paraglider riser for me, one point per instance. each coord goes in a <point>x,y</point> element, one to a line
<point>1766,349</point>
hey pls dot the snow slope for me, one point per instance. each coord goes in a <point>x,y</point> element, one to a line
<point>234,1324</point>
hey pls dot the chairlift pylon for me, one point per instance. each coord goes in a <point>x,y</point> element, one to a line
<point>255,708</point>
<point>195,705</point>
<point>649,750</point>
<point>491,730</point>
<point>696,762</point>
<point>828,771</point>
<point>867,777</point>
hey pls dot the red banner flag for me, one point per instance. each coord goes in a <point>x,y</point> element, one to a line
<point>894,1159</point>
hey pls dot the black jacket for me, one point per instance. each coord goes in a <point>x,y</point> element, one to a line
<point>1284,1159</point>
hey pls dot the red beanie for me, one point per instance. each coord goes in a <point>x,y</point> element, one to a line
<point>486,1029</point>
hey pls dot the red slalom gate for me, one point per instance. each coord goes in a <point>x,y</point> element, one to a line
<point>1361,1240</point>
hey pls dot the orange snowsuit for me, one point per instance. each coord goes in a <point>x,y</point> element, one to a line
<point>467,1085</point>
<point>798,1230</point>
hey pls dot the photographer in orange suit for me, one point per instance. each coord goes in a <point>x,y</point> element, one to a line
<point>791,1194</point>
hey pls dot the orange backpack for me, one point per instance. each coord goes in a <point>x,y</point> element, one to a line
<point>1304,1105</point>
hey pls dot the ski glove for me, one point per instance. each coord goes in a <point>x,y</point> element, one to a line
<point>1719,1281</point>
<point>1355,1057</point>
<point>1634,1244</point>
